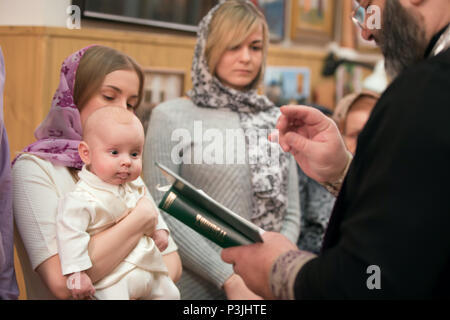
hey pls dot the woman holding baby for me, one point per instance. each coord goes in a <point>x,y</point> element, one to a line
<point>91,78</point>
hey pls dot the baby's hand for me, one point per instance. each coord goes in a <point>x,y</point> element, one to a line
<point>161,238</point>
<point>80,286</point>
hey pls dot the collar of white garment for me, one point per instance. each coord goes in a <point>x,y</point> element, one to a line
<point>95,182</point>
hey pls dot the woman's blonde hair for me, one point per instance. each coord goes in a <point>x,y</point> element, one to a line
<point>231,24</point>
<point>96,63</point>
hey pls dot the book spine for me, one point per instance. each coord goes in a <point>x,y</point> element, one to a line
<point>201,221</point>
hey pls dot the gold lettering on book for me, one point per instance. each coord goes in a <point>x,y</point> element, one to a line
<point>169,200</point>
<point>210,227</point>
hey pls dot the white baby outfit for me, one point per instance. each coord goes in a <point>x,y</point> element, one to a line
<point>94,206</point>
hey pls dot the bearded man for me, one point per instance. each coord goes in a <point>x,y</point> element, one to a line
<point>389,233</point>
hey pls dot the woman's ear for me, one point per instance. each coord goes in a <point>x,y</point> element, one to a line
<point>83,151</point>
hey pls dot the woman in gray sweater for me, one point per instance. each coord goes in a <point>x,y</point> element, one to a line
<point>216,138</point>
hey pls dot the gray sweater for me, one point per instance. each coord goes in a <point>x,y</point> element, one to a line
<point>204,272</point>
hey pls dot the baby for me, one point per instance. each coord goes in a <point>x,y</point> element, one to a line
<point>109,188</point>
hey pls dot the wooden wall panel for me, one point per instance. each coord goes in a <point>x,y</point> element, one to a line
<point>24,87</point>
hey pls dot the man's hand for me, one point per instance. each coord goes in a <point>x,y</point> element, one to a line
<point>254,262</point>
<point>314,140</point>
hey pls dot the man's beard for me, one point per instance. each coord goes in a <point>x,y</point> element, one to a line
<point>402,39</point>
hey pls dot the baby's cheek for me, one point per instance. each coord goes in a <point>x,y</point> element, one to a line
<point>139,168</point>
<point>107,168</point>
<point>136,173</point>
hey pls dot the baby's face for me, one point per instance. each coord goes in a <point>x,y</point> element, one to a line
<point>116,153</point>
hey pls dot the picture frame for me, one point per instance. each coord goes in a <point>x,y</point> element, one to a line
<point>275,13</point>
<point>312,21</point>
<point>349,79</point>
<point>160,84</point>
<point>287,85</point>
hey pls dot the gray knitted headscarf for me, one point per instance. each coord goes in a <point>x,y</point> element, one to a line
<point>269,178</point>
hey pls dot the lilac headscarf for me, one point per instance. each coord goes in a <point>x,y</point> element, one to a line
<point>60,133</point>
<point>8,283</point>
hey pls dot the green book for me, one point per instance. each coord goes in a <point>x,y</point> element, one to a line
<point>206,216</point>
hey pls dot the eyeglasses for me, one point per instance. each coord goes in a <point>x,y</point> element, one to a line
<point>359,16</point>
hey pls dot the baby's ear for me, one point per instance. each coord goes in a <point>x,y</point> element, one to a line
<point>83,151</point>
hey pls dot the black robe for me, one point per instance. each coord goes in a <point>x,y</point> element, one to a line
<point>393,211</point>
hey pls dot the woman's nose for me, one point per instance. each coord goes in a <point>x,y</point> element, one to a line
<point>122,103</point>
<point>245,54</point>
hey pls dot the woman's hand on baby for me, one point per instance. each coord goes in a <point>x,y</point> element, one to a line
<point>147,215</point>
<point>161,239</point>
<point>80,286</point>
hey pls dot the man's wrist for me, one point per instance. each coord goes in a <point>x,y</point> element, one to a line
<point>284,272</point>
<point>335,185</point>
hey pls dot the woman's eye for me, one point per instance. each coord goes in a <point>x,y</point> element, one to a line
<point>257,48</point>
<point>109,98</point>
